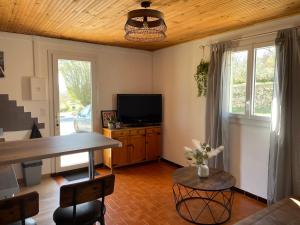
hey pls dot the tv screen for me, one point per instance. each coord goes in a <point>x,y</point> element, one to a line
<point>139,108</point>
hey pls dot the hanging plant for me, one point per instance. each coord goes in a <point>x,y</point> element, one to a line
<point>201,77</point>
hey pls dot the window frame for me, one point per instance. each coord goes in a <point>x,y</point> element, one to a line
<point>239,49</point>
<point>249,116</point>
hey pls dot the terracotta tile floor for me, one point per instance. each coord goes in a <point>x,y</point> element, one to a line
<point>143,196</point>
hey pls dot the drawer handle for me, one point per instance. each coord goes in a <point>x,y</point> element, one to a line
<point>130,145</point>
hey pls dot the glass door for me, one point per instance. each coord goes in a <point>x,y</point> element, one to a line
<point>72,105</point>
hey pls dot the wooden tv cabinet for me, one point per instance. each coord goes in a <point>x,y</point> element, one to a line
<point>139,144</point>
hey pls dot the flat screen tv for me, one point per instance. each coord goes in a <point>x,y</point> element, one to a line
<point>139,108</point>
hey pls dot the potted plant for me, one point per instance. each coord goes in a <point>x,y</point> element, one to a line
<point>111,122</point>
<point>199,156</point>
<point>201,77</point>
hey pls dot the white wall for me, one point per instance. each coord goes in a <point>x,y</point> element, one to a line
<point>118,70</point>
<point>184,112</point>
<point>249,146</point>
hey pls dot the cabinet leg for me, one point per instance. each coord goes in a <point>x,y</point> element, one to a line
<point>112,170</point>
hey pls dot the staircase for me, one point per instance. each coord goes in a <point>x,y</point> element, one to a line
<point>13,117</point>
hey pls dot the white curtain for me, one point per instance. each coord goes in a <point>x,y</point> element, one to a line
<point>217,131</point>
<point>225,107</point>
<point>284,156</point>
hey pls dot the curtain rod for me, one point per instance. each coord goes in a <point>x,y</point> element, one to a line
<point>248,37</point>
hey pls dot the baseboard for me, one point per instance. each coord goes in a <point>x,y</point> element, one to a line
<point>250,195</point>
<point>171,163</point>
<point>246,193</point>
<point>135,164</point>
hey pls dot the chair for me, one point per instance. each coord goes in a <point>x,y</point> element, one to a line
<point>18,210</point>
<point>79,204</point>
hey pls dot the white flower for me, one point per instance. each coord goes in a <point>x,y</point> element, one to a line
<point>201,152</point>
<point>196,143</point>
<point>189,155</point>
<point>187,149</point>
<point>215,152</point>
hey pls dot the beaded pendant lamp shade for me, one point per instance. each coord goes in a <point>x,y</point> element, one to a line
<point>145,25</point>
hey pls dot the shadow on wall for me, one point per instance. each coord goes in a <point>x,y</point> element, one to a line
<point>14,118</point>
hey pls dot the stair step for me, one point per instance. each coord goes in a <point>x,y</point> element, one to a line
<point>13,117</point>
<point>3,97</point>
<point>11,104</point>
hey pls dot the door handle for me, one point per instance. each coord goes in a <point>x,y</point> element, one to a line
<point>130,146</point>
<point>57,119</point>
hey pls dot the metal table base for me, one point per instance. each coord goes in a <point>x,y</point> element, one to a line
<point>91,165</point>
<point>213,207</point>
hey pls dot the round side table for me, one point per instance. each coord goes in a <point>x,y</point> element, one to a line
<point>203,200</point>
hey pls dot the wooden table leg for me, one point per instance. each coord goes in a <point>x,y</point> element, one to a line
<point>91,165</point>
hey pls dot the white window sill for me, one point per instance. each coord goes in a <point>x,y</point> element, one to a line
<point>250,121</point>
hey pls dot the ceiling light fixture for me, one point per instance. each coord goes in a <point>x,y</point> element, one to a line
<point>145,25</point>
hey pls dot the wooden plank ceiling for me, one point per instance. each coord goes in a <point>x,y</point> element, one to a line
<point>102,21</point>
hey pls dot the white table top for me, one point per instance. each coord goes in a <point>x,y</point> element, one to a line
<point>12,152</point>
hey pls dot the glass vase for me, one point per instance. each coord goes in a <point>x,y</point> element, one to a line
<point>202,170</point>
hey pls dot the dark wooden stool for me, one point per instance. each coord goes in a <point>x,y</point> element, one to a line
<point>18,210</point>
<point>79,204</point>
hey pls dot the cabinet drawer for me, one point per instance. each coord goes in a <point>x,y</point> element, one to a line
<point>137,132</point>
<point>119,133</point>
<point>153,130</point>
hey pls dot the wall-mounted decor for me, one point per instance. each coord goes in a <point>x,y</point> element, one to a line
<point>201,77</point>
<point>14,118</point>
<point>1,64</point>
<point>38,88</point>
<point>107,116</point>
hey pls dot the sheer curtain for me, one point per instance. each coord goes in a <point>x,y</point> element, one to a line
<point>216,105</point>
<point>284,156</point>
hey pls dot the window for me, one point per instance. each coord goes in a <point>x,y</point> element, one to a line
<point>264,76</point>
<point>251,81</point>
<point>238,82</point>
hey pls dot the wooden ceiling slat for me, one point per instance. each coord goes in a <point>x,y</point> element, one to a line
<point>102,21</point>
<point>38,20</point>
<point>25,13</point>
<point>57,15</point>
<point>6,11</point>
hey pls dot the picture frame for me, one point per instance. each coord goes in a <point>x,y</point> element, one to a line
<point>105,115</point>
